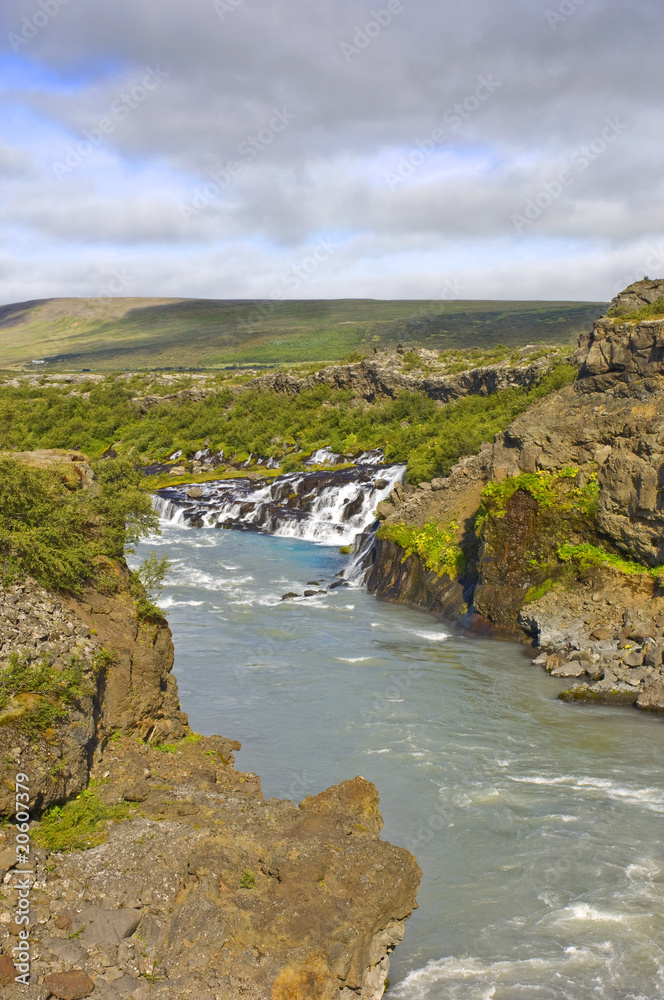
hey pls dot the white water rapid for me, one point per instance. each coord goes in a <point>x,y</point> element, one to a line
<point>334,507</point>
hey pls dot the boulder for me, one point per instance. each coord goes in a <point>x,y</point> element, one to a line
<point>651,698</point>
<point>72,985</point>
<point>195,493</point>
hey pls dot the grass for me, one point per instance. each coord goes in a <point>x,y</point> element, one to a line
<point>655,310</point>
<point>111,334</point>
<point>79,824</point>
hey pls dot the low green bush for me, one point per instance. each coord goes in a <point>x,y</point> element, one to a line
<point>435,544</point>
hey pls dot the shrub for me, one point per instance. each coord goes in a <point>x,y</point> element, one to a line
<point>57,531</point>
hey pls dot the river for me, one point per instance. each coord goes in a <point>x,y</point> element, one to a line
<point>537,824</point>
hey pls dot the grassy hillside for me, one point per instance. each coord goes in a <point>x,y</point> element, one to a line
<point>105,334</point>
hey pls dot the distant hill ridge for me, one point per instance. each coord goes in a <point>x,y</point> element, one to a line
<point>109,333</point>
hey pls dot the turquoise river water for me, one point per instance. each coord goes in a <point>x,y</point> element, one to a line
<point>538,825</point>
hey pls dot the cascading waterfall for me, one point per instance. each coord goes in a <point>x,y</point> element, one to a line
<point>334,507</point>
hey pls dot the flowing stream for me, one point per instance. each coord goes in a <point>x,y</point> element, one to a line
<point>538,825</point>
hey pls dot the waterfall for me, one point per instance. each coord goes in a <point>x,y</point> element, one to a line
<point>335,507</point>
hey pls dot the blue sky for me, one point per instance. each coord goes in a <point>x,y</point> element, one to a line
<point>206,148</point>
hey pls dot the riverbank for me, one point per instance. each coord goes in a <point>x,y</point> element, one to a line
<point>555,528</point>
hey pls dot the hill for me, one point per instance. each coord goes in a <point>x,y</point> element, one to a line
<point>104,334</point>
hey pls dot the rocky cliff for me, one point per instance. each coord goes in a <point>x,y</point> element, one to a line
<point>560,519</point>
<point>192,885</point>
<point>385,375</point>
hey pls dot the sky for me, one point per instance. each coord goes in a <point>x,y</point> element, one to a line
<point>424,149</point>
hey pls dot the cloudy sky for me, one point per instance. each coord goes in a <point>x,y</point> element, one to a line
<point>330,148</point>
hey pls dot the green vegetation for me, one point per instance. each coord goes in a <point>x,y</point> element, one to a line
<point>52,691</point>
<point>435,544</point>
<point>111,334</point>
<point>61,533</point>
<point>79,824</point>
<point>248,880</point>
<point>549,489</point>
<point>586,555</point>
<point>411,428</point>
<point>653,311</point>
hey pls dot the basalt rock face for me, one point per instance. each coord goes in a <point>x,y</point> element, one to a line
<point>617,345</point>
<point>609,424</point>
<point>205,890</point>
<point>130,690</point>
<point>381,378</point>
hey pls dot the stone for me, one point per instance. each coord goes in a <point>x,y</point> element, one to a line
<point>195,493</point>
<point>72,985</point>
<point>651,699</point>
<point>108,927</point>
<point>177,470</point>
<point>573,668</point>
<point>7,970</point>
<point>600,633</point>
<point>654,657</point>
<point>634,659</point>
<point>289,596</point>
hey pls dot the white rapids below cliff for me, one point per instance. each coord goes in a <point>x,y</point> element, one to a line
<point>330,508</point>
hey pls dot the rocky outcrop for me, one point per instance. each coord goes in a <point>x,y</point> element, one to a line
<point>639,294</point>
<point>199,888</point>
<point>623,347</point>
<point>382,377</point>
<point>608,428</point>
<point>209,892</point>
<point>125,685</point>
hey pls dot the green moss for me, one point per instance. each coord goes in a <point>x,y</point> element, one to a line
<point>549,489</point>
<point>79,824</point>
<point>586,555</point>
<point>435,544</point>
<point>248,880</point>
<point>345,550</point>
<point>176,747</point>
<point>534,593</point>
<point>55,691</point>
